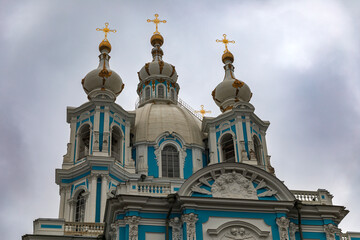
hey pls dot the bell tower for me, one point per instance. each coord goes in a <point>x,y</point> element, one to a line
<point>236,135</point>
<point>98,156</point>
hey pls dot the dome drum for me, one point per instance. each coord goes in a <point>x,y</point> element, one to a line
<point>157,90</point>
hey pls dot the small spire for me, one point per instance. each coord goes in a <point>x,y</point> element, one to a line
<point>106,30</point>
<point>226,42</point>
<point>105,44</point>
<point>156,21</point>
<point>202,111</point>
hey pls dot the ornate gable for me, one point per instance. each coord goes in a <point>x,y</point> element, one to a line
<point>235,180</point>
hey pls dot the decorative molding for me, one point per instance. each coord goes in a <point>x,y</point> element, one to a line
<point>66,157</point>
<point>330,231</point>
<point>292,230</point>
<point>114,230</point>
<point>175,223</point>
<point>133,222</point>
<point>232,185</point>
<point>96,141</point>
<point>190,220</point>
<point>283,225</point>
<point>239,234</point>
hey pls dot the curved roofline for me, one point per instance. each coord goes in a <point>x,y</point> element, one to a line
<point>283,193</point>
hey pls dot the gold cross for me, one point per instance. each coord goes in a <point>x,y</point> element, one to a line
<point>202,111</point>
<point>106,30</point>
<point>156,21</point>
<point>226,42</point>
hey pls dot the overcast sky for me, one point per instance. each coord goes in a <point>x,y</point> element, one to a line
<point>300,59</point>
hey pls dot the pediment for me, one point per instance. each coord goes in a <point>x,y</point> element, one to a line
<point>235,180</point>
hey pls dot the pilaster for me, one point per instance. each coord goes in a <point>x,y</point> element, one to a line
<point>104,191</point>
<point>133,223</point>
<point>283,225</point>
<point>190,221</point>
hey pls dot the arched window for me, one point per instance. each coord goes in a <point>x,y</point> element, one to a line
<point>170,162</point>
<point>147,93</point>
<point>227,146</point>
<point>80,207</point>
<point>116,137</point>
<point>172,94</point>
<point>257,150</point>
<point>84,141</point>
<point>160,91</point>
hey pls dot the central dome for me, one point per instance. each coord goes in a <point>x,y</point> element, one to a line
<point>153,120</point>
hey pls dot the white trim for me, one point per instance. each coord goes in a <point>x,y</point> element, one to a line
<point>181,151</point>
<point>221,154</point>
<point>91,137</point>
<point>122,139</point>
<point>157,91</point>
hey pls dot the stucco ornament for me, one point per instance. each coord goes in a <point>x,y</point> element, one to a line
<point>292,230</point>
<point>175,223</point>
<point>233,185</point>
<point>238,234</point>
<point>190,220</point>
<point>114,230</point>
<point>283,224</point>
<point>330,231</point>
<point>133,222</point>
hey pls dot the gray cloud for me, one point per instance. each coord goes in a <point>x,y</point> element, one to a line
<point>300,59</point>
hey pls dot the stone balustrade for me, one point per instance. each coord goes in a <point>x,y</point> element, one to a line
<point>153,188</point>
<point>319,197</point>
<point>83,229</point>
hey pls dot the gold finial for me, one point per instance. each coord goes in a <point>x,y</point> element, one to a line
<point>202,111</point>
<point>226,42</point>
<point>156,21</point>
<point>106,30</point>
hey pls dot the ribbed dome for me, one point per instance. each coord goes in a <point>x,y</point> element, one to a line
<point>155,119</point>
<point>102,80</point>
<point>231,90</point>
<point>158,69</point>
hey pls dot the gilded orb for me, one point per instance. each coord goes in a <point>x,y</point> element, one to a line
<point>227,56</point>
<point>105,45</point>
<point>157,39</point>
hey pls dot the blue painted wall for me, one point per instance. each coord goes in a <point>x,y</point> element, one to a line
<point>153,169</point>
<point>188,166</point>
<point>98,200</point>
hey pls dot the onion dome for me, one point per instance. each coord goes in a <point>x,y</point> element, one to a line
<point>102,82</point>
<point>156,73</point>
<point>230,91</point>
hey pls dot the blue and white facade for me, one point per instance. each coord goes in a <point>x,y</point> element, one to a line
<point>160,172</point>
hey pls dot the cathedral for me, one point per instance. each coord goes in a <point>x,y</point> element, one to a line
<point>163,171</point>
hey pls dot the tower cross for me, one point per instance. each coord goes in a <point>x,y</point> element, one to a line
<point>202,111</point>
<point>156,21</point>
<point>226,42</point>
<point>106,30</point>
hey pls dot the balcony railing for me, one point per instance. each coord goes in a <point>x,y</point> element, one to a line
<point>320,196</point>
<point>153,188</point>
<point>181,103</point>
<point>83,229</point>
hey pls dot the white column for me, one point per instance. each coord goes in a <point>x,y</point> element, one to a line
<point>127,149</point>
<point>62,201</point>
<point>190,220</point>
<point>133,222</point>
<point>104,191</point>
<point>92,200</point>
<point>67,203</point>
<point>249,138</point>
<point>212,146</point>
<point>106,132</point>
